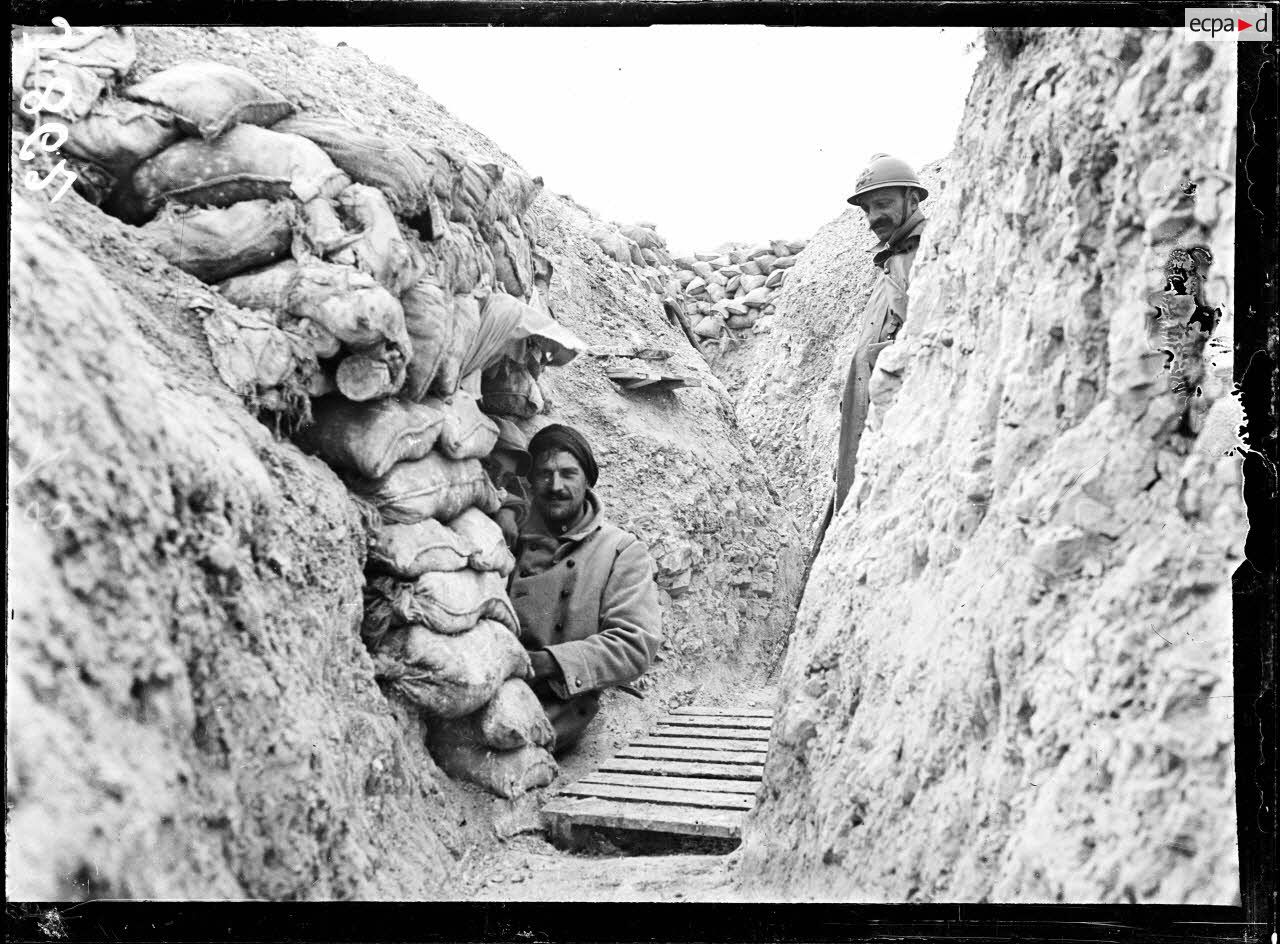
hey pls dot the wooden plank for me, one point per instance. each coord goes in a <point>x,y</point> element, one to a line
<point>702,744</point>
<point>706,784</point>
<point>709,721</point>
<point>678,768</point>
<point>748,734</point>
<point>612,791</point>
<point>727,712</point>
<point>655,817</point>
<point>660,753</point>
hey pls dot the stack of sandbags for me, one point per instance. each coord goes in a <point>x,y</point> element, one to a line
<point>733,290</point>
<point>437,618</point>
<point>407,279</point>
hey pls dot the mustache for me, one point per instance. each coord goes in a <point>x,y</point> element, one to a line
<point>558,496</point>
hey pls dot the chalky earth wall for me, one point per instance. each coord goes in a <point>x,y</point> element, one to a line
<point>1010,678</point>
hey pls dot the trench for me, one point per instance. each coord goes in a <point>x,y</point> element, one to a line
<point>605,864</point>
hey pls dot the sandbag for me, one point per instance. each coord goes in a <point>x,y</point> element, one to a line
<point>776,278</point>
<point>485,192</point>
<point>752,282</point>
<point>458,260</point>
<point>74,90</point>
<point>408,551</point>
<point>369,438</point>
<point>696,286</point>
<point>77,64</point>
<point>315,337</point>
<point>465,327</point>
<point>430,487</point>
<point>429,322</point>
<point>783,262</point>
<point>779,247</point>
<point>757,297</point>
<point>370,375</point>
<point>511,195</point>
<point>649,256</point>
<point>465,432</point>
<point>449,676</point>
<point>643,237</point>
<point>797,247</point>
<point>407,175</point>
<point>471,185</point>
<point>380,250</point>
<point>447,603</point>
<point>322,234</point>
<point>108,52</point>
<point>711,326</point>
<point>210,97</point>
<point>483,535</point>
<point>461,753</point>
<point>751,268</point>
<point>614,245</point>
<point>514,718</point>
<point>349,304</point>
<point>249,351</point>
<point>512,260</point>
<point>741,322</point>
<point>246,163</point>
<point>215,243</point>
<point>510,390</point>
<point>118,134</point>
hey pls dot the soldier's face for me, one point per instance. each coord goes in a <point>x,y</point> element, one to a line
<point>887,209</point>
<point>559,486</point>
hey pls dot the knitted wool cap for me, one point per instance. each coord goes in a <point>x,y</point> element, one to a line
<point>557,437</point>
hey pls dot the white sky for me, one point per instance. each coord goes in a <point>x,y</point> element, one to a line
<point>715,133</point>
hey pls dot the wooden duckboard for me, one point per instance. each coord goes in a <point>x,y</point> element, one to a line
<point>696,774</point>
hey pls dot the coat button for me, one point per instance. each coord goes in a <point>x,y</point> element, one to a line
<point>526,573</point>
<point>577,681</point>
<point>559,628</point>
<point>564,594</point>
<point>569,564</point>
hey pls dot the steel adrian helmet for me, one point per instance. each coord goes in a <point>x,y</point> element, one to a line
<point>886,171</point>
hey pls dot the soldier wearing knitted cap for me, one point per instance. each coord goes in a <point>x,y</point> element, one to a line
<point>583,588</point>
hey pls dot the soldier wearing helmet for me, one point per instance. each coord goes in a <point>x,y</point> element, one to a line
<point>889,193</point>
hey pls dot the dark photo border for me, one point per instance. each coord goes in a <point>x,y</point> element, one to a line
<point>1257,349</point>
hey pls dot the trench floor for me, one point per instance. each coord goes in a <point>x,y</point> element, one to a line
<point>524,866</point>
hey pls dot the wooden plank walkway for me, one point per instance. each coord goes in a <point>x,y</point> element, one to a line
<point>696,774</point>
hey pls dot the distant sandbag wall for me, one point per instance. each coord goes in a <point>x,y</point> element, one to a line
<point>732,292</point>
<point>720,297</point>
<point>390,313</point>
